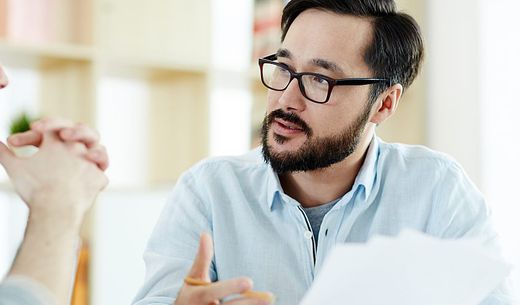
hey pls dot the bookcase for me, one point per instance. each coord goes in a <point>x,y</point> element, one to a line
<point>138,71</point>
<point>76,46</point>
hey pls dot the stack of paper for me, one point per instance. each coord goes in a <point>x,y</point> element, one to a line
<point>412,269</point>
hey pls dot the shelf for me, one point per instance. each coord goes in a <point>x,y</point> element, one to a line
<point>145,67</point>
<point>30,55</point>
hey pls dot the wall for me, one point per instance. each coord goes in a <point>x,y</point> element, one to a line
<point>408,124</point>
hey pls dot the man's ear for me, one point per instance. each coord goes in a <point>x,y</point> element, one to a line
<point>386,104</point>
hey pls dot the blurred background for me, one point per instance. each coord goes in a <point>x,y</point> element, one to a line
<point>169,82</point>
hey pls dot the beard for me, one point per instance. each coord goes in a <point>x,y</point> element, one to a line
<point>316,152</point>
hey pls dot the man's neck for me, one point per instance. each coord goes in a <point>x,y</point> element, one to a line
<point>314,188</point>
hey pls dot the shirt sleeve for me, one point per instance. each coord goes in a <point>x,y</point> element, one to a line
<point>173,244</point>
<point>18,290</point>
<point>460,211</point>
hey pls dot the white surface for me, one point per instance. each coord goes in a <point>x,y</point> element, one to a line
<point>473,102</point>
<point>230,97</point>
<point>230,121</point>
<point>409,270</point>
<point>122,121</point>
<point>500,106</point>
<point>13,219</point>
<point>453,79</point>
<point>123,222</point>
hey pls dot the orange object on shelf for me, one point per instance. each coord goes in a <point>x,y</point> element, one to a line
<point>81,287</point>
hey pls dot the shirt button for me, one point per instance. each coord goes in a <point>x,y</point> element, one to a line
<point>308,234</point>
<point>326,232</point>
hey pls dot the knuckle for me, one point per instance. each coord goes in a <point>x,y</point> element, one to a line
<point>203,294</point>
<point>76,147</point>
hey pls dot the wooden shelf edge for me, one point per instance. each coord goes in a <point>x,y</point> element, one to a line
<point>151,65</point>
<point>60,51</point>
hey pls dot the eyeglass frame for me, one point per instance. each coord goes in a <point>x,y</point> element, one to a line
<point>270,59</point>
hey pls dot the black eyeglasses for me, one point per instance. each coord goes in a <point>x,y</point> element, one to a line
<point>313,86</point>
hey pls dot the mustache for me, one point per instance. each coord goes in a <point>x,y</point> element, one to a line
<point>289,117</point>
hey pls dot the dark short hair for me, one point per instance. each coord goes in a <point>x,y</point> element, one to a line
<point>396,50</point>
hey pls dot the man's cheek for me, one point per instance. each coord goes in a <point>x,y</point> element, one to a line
<point>272,100</point>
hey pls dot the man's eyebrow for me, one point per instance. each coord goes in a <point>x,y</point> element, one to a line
<point>322,63</point>
<point>284,53</point>
<point>327,65</point>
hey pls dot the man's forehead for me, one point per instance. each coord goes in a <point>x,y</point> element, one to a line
<point>326,37</point>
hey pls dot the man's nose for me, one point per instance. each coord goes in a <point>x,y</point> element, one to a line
<point>292,98</point>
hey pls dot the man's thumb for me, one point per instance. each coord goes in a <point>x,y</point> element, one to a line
<point>200,268</point>
<point>6,156</point>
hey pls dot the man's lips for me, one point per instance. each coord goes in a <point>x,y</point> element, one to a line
<point>285,128</point>
<point>288,125</point>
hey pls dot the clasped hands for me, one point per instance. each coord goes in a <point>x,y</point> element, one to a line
<point>67,172</point>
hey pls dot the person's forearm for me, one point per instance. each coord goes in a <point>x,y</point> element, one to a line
<point>48,251</point>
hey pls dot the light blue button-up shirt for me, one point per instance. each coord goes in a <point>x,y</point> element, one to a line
<point>261,232</point>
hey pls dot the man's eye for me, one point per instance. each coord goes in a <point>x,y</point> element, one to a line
<point>319,80</point>
<point>281,69</point>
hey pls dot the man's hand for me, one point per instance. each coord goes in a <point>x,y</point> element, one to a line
<point>211,294</point>
<point>57,178</point>
<point>59,184</point>
<point>68,132</point>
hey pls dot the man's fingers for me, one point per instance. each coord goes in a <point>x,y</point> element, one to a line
<point>85,137</point>
<point>98,155</point>
<point>6,156</point>
<point>68,131</point>
<point>200,268</point>
<point>80,133</point>
<point>222,289</point>
<point>29,137</point>
<point>51,124</point>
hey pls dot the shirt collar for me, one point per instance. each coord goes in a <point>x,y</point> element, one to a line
<point>274,187</point>
<point>366,176</point>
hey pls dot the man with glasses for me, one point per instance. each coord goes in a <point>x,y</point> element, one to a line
<point>322,176</point>
<point>59,183</point>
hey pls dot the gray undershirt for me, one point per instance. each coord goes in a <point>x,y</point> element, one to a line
<point>315,216</point>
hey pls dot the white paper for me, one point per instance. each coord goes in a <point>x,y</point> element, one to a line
<point>412,269</point>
